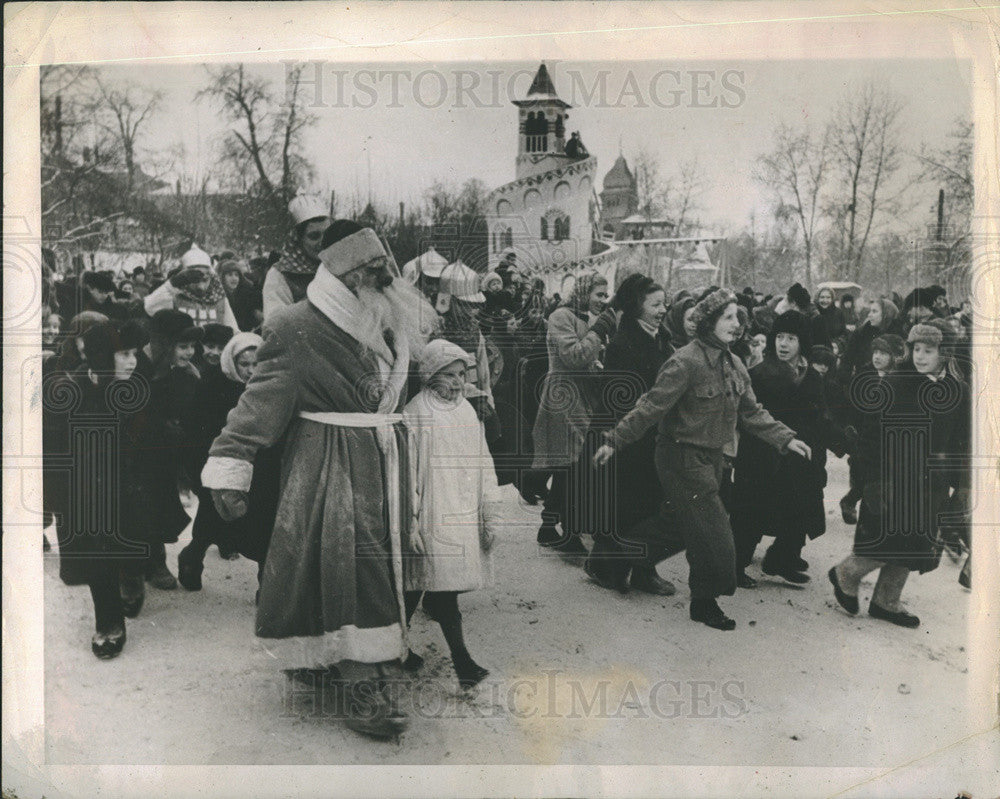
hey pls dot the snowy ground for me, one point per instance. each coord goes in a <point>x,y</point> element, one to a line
<point>798,683</point>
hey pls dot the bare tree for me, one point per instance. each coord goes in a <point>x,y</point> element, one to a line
<point>864,137</point>
<point>266,134</point>
<point>123,111</point>
<point>796,172</point>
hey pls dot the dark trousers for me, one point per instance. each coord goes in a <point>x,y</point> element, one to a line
<point>105,592</point>
<point>786,548</point>
<point>692,478</point>
<point>579,497</point>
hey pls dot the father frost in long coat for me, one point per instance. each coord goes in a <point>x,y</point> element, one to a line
<point>331,379</point>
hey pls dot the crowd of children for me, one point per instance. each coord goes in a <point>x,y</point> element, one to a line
<point>716,410</point>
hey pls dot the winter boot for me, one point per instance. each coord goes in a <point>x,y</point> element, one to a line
<point>707,611</point>
<point>109,644</point>
<point>189,569</point>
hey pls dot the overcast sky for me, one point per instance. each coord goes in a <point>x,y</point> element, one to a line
<point>415,126</point>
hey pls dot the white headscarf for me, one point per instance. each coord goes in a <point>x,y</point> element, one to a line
<point>437,355</point>
<point>237,344</point>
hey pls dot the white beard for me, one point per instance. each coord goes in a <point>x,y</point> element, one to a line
<point>401,309</point>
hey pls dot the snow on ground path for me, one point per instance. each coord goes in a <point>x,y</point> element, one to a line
<point>580,675</point>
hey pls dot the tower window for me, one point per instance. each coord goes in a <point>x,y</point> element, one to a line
<point>545,229</point>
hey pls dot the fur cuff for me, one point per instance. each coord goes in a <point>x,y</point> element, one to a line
<point>229,473</point>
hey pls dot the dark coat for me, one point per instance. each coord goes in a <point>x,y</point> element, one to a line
<point>215,396</point>
<point>631,363</point>
<point>827,325</point>
<point>109,503</point>
<point>905,480</point>
<point>774,494</point>
<point>246,300</point>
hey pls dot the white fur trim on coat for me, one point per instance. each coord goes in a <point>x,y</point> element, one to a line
<point>231,473</point>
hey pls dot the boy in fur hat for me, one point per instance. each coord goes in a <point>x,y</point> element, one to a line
<point>897,531</point>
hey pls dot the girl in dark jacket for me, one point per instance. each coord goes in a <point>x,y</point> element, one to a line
<point>907,478</point>
<point>829,323</point>
<point>632,360</point>
<point>781,494</point>
<point>172,390</point>
<point>887,351</point>
<point>106,520</point>
<point>216,395</point>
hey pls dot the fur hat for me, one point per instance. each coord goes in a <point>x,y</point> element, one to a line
<point>926,334</point>
<point>918,298</point>
<point>797,294</point>
<point>794,323</point>
<point>171,326</point>
<point>217,335</point>
<point>492,281</point>
<point>948,336</point>
<point>227,266</point>
<point>823,355</point>
<point>348,246</point>
<point>103,340</point>
<point>891,343</point>
<point>708,311</point>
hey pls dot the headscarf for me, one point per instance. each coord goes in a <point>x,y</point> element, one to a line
<point>236,345</point>
<point>78,325</point>
<point>438,354</point>
<point>889,313</point>
<point>675,320</point>
<point>210,296</point>
<point>579,298</point>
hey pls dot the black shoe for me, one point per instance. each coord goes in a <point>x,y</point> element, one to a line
<point>413,662</point>
<point>189,571</point>
<point>110,644</point>
<point>470,674</point>
<point>899,617</point>
<point>965,576</point>
<point>160,577</point>
<point>133,594</point>
<point>744,580</point>
<point>845,600</point>
<point>370,713</point>
<point>645,579</point>
<point>707,611</point>
<point>548,535</point>
<point>228,554</point>
<point>617,582</point>
<point>785,572</point>
<point>848,512</point>
<point>800,564</point>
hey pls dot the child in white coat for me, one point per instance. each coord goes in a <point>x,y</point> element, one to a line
<point>454,502</point>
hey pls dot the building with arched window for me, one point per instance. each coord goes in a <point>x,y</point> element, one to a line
<point>546,214</point>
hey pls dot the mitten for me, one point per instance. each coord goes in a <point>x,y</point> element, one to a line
<point>230,504</point>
